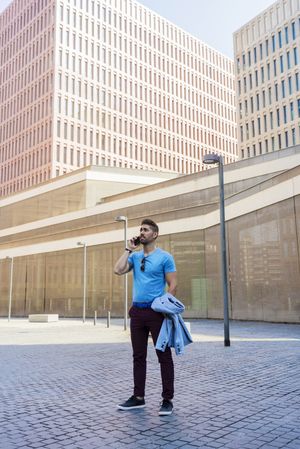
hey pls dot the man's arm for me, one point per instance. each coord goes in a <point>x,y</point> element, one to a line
<point>171,279</point>
<point>122,266</point>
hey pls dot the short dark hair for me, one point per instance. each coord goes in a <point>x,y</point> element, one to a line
<point>151,223</point>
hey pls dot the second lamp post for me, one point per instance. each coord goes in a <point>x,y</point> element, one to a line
<point>125,221</point>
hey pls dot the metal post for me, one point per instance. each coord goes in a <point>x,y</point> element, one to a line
<point>84,279</point>
<point>224,254</point>
<point>10,286</point>
<point>108,319</point>
<point>84,283</point>
<point>95,317</point>
<point>125,282</point>
<point>210,159</point>
<point>124,219</point>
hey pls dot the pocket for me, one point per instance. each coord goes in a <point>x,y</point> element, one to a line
<point>130,311</point>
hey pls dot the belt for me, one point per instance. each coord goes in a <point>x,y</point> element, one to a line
<point>142,305</point>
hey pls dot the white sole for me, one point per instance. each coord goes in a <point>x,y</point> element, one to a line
<point>165,413</point>
<point>120,407</point>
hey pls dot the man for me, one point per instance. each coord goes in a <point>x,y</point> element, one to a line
<point>152,269</point>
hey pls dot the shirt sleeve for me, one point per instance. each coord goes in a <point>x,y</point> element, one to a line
<point>170,266</point>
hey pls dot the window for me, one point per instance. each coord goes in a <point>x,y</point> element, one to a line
<point>281,64</point>
<point>279,39</point>
<point>293,136</point>
<point>267,47</point>
<point>292,110</point>
<point>258,125</point>
<point>284,114</point>
<point>255,55</point>
<point>283,88</point>
<point>279,141</point>
<point>274,67</point>
<point>293,30</point>
<point>298,106</point>
<point>278,116</point>
<point>297,81</point>
<point>295,55</point>
<point>290,85</point>
<point>276,91</point>
<point>286,33</point>
<point>265,123</point>
<point>288,59</point>
<point>286,138</point>
<point>273,43</point>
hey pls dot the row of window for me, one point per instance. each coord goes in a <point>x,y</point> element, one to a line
<point>267,122</point>
<point>265,98</point>
<point>26,34</point>
<point>119,20</point>
<point>26,163</point>
<point>28,107</point>
<point>119,46</point>
<point>277,142</point>
<point>26,140</point>
<point>265,73</point>
<point>283,37</point>
<point>22,81</point>
<point>90,137</point>
<point>24,182</point>
<point>20,64</point>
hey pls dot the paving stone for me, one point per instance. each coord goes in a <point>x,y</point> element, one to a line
<point>64,396</point>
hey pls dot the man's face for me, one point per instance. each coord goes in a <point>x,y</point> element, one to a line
<point>147,235</point>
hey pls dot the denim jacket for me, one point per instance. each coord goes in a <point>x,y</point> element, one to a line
<point>173,332</point>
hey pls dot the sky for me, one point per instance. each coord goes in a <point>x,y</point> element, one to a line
<point>212,21</point>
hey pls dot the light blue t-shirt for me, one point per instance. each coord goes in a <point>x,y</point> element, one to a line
<point>150,283</point>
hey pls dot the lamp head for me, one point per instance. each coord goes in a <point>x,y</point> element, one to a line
<point>121,218</point>
<point>210,159</point>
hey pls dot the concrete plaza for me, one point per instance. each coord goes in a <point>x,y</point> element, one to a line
<point>60,384</point>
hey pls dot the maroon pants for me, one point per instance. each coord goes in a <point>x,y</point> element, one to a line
<point>142,322</point>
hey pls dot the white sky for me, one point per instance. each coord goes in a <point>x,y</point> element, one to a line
<point>212,21</point>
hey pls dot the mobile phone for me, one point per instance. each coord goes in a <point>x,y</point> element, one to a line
<point>136,241</point>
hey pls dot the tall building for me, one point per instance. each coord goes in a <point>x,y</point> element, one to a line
<point>107,82</point>
<point>267,52</point>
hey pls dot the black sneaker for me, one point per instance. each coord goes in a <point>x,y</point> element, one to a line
<point>132,403</point>
<point>166,408</point>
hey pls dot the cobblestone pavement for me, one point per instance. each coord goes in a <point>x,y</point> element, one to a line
<point>60,384</point>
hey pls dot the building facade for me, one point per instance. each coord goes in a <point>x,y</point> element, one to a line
<point>107,82</point>
<point>267,52</point>
<point>41,227</point>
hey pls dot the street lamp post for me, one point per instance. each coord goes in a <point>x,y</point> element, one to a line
<point>84,245</point>
<point>125,221</point>
<point>217,159</point>
<point>10,285</point>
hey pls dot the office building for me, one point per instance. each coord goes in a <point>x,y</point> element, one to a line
<point>267,51</point>
<point>41,227</point>
<point>107,82</point>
